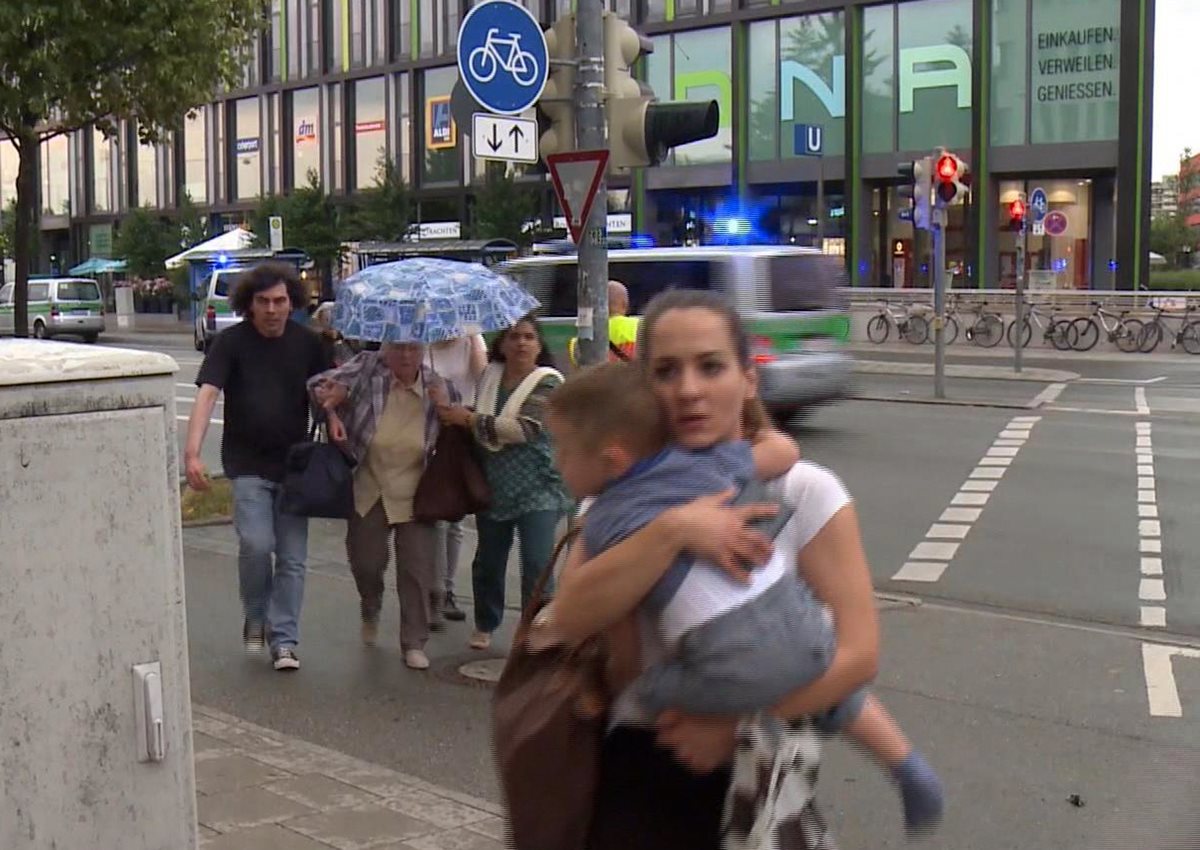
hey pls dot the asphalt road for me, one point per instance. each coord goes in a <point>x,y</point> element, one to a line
<point>1048,659</point>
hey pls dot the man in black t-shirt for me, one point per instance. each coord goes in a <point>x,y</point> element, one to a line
<point>262,365</point>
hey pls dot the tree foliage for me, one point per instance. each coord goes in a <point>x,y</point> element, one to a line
<point>384,211</point>
<point>145,240</point>
<point>192,227</point>
<point>68,64</point>
<point>311,222</point>
<point>503,206</point>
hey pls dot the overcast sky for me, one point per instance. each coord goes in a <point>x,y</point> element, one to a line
<point>1176,99</point>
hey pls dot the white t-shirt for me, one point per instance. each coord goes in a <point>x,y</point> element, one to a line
<point>816,495</point>
<point>453,362</point>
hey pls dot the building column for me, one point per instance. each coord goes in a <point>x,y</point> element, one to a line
<point>1133,157</point>
<point>983,261</point>
<point>858,197</point>
<point>1104,213</point>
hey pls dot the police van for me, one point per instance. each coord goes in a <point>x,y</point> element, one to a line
<point>57,306</point>
<point>791,298</point>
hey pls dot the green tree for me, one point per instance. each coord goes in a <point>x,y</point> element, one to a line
<point>383,212</point>
<point>69,64</point>
<point>311,222</point>
<point>145,241</point>
<point>503,206</point>
<point>191,226</point>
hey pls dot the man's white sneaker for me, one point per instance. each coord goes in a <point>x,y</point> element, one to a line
<point>286,659</point>
<point>416,659</point>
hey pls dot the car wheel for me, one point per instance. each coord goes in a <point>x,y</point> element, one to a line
<point>39,330</point>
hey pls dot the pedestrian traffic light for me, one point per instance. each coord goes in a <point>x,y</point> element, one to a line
<point>1016,215</point>
<point>915,190</point>
<point>953,179</point>
<point>640,130</point>
<point>557,102</point>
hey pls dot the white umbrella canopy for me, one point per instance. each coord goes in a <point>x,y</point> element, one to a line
<point>231,240</point>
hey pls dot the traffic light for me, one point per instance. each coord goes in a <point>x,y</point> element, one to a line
<point>1017,210</point>
<point>916,190</point>
<point>641,130</point>
<point>557,102</point>
<point>953,179</point>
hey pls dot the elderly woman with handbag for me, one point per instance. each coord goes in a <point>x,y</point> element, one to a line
<point>382,410</point>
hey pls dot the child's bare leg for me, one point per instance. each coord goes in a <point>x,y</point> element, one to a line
<point>877,732</point>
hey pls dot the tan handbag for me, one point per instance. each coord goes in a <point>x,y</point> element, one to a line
<point>548,720</point>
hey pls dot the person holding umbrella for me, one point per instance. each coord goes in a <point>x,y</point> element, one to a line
<point>528,494</point>
<point>425,302</point>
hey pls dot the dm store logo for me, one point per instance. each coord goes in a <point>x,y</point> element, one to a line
<point>306,131</point>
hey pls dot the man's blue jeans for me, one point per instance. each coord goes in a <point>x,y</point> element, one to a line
<point>536,531</point>
<point>272,549</point>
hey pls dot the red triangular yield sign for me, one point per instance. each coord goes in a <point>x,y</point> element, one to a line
<point>576,176</point>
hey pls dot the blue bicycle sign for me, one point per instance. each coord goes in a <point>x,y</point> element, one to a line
<point>502,56</point>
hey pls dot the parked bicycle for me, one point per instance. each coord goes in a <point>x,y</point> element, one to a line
<point>912,327</point>
<point>1186,333</point>
<point>988,328</point>
<point>1120,329</point>
<point>949,329</point>
<point>1058,332</point>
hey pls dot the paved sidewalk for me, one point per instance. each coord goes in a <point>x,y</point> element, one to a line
<point>260,790</point>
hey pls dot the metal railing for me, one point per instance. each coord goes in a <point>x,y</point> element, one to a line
<point>1073,302</point>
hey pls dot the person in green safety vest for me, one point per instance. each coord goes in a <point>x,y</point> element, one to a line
<point>622,328</point>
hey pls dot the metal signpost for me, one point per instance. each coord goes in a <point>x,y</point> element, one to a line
<point>591,129</point>
<point>1019,333</point>
<point>937,227</point>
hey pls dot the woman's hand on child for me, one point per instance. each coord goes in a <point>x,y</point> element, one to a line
<point>711,529</point>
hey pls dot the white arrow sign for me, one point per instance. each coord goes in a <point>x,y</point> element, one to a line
<point>497,137</point>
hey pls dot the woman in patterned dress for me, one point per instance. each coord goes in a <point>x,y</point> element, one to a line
<point>665,781</point>
<point>528,496</point>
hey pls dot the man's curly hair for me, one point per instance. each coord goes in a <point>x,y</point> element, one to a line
<point>262,277</point>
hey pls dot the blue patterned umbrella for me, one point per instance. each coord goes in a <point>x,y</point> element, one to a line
<point>427,300</point>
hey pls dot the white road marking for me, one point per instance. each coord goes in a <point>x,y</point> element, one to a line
<point>947,531</point>
<point>1161,691</point>
<point>920,571</point>
<point>1153,617</point>
<point>1152,590</point>
<point>1047,396</point>
<point>1151,587</point>
<point>930,558</point>
<point>1159,379</point>
<point>1139,400</point>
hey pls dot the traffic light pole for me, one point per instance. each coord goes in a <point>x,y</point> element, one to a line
<point>590,127</point>
<point>1019,299</point>
<point>938,230</point>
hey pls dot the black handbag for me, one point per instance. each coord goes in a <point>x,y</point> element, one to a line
<point>318,481</point>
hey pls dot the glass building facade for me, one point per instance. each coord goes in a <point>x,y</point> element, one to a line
<point>1034,94</point>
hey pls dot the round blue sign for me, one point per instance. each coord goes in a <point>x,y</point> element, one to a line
<point>502,56</point>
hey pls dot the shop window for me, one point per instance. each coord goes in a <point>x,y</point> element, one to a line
<point>1074,70</point>
<point>1058,249</point>
<point>247,149</point>
<point>1010,81</point>
<point>879,79</point>
<point>370,130</point>
<point>306,135</point>
<point>440,143</point>
<point>195,156</point>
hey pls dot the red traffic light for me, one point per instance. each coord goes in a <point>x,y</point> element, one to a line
<point>947,167</point>
<point>1016,209</point>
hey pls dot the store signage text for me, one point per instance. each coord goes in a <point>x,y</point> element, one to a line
<point>1090,75</point>
<point>246,146</point>
<point>370,126</point>
<point>306,130</point>
<point>936,67</point>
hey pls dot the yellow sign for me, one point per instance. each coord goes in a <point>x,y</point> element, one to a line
<point>441,133</point>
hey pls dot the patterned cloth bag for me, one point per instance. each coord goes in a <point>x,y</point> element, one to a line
<point>770,804</point>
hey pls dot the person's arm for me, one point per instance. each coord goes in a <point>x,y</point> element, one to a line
<point>479,358</point>
<point>210,381</point>
<point>202,408</point>
<point>835,567</point>
<point>495,432</point>
<point>774,453</point>
<point>330,389</point>
<point>592,596</point>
